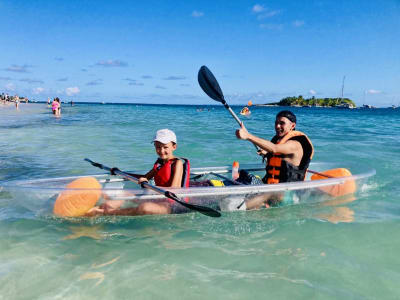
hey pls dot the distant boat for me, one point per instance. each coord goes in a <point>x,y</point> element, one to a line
<point>367,106</point>
<point>345,105</point>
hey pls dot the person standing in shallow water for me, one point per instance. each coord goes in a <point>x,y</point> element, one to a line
<point>288,155</point>
<point>59,107</point>
<point>54,106</point>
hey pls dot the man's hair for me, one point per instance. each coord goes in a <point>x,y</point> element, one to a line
<point>287,114</point>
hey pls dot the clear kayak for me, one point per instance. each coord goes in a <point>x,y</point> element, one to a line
<point>210,187</point>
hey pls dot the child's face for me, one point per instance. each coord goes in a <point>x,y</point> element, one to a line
<point>165,151</point>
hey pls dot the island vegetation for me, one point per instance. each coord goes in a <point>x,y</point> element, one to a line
<point>322,102</point>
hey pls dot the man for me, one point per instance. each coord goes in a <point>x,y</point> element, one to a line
<point>288,153</point>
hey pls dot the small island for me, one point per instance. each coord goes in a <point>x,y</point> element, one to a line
<point>314,102</point>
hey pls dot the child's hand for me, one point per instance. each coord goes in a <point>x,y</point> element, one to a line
<point>143,179</point>
<point>94,211</point>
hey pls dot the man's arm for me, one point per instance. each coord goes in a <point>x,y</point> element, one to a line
<point>290,147</point>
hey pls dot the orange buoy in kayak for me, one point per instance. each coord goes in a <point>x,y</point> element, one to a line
<point>81,195</point>
<point>337,190</point>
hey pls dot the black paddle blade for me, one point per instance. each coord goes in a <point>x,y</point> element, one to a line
<point>210,85</point>
<point>208,211</point>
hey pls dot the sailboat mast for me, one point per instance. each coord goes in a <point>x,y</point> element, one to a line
<point>343,85</point>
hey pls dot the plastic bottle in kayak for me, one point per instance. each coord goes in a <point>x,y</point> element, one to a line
<point>235,170</point>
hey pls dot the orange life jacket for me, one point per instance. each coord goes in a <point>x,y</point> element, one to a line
<point>163,175</point>
<point>279,170</point>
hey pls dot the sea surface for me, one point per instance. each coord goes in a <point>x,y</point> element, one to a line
<point>294,252</point>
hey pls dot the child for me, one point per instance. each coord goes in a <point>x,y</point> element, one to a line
<point>54,106</point>
<point>59,107</point>
<point>168,171</point>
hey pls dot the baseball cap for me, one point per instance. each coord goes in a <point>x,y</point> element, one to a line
<point>287,114</point>
<point>165,136</point>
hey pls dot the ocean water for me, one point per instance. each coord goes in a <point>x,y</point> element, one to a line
<point>332,251</point>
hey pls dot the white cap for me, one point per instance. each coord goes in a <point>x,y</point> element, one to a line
<point>165,136</point>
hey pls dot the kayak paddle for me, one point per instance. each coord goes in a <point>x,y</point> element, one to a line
<point>115,171</point>
<point>210,86</point>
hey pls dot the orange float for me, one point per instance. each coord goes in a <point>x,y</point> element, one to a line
<point>345,188</point>
<point>80,195</point>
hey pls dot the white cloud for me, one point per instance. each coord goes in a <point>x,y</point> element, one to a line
<point>374,92</point>
<point>312,92</point>
<point>258,8</point>
<point>29,80</point>
<point>271,26</point>
<point>112,63</point>
<point>10,87</point>
<point>197,14</point>
<point>95,82</point>
<point>18,69</point>
<point>37,91</point>
<point>72,91</point>
<point>268,14</point>
<point>175,78</point>
<point>134,82</point>
<point>298,23</point>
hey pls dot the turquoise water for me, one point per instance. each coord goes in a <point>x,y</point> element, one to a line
<point>289,252</point>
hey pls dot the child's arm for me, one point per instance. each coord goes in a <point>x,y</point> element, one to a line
<point>145,178</point>
<point>177,174</point>
<point>149,175</point>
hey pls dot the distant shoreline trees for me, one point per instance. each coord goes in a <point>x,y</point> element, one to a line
<point>325,102</point>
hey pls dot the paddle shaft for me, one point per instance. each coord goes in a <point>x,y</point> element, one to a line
<point>231,111</point>
<point>234,115</point>
<point>320,174</point>
<point>115,171</point>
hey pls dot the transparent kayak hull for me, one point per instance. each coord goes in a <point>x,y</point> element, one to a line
<point>39,195</point>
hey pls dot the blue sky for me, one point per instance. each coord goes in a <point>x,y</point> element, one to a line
<point>150,51</point>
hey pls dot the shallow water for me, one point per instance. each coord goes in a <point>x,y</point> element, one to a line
<point>286,252</point>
